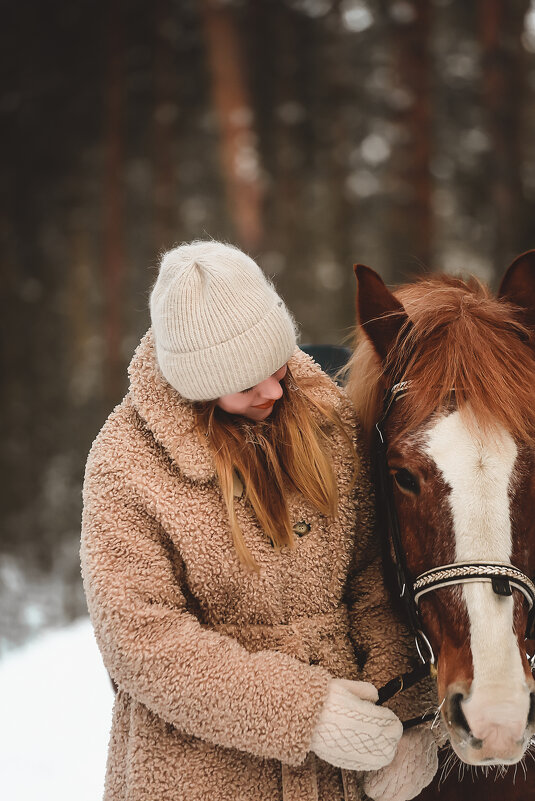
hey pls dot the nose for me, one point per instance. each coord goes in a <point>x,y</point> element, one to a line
<point>270,389</point>
<point>488,727</point>
<point>455,715</point>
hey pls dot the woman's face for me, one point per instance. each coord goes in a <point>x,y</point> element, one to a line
<point>257,402</point>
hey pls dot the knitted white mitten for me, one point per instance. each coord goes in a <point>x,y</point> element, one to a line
<point>412,769</point>
<point>352,732</point>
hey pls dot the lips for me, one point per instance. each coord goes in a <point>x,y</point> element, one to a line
<point>267,405</point>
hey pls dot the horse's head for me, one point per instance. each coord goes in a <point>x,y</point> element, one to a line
<point>462,459</point>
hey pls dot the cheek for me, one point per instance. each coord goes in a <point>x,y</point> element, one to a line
<point>522,495</point>
<point>445,621</point>
<point>234,404</point>
<point>426,526</point>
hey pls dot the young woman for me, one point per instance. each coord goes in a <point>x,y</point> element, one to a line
<point>224,509</point>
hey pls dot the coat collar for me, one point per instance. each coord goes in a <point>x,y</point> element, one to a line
<point>170,418</point>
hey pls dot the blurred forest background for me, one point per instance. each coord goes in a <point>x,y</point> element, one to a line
<point>312,133</point>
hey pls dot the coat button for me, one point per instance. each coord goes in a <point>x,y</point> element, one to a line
<point>301,528</point>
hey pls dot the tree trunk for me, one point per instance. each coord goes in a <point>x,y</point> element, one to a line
<point>410,216</point>
<point>113,261</point>
<point>500,26</point>
<point>239,154</point>
<point>164,132</point>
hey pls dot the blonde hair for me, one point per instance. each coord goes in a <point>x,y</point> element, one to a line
<point>289,450</point>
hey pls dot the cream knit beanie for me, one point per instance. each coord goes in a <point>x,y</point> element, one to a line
<point>218,324</point>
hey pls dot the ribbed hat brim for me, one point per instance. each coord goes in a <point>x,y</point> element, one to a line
<point>234,365</point>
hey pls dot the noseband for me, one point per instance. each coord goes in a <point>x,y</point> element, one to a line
<point>503,577</point>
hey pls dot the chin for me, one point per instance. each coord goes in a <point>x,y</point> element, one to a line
<point>259,414</point>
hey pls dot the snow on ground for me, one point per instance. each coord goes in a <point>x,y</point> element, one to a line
<point>55,710</point>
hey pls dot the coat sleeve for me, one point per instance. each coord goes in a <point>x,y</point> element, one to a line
<point>383,644</point>
<point>202,682</point>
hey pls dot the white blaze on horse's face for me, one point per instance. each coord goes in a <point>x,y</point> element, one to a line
<point>479,470</point>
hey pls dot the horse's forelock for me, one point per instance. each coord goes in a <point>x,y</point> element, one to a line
<point>461,338</point>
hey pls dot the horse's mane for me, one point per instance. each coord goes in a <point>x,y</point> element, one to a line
<point>461,337</point>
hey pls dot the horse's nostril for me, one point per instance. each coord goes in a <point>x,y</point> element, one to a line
<point>457,717</point>
<point>531,714</point>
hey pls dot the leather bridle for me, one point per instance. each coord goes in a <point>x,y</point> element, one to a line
<point>504,577</point>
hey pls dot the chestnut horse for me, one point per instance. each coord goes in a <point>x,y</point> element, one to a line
<point>447,372</point>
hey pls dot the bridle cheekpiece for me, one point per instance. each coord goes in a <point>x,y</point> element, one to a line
<point>504,577</point>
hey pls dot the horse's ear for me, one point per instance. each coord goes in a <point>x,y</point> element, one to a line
<point>380,314</point>
<point>518,285</point>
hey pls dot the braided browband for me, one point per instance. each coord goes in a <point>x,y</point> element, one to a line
<point>460,572</point>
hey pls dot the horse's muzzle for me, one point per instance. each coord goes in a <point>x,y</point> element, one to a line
<point>489,725</point>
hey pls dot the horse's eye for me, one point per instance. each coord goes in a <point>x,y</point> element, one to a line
<point>406,481</point>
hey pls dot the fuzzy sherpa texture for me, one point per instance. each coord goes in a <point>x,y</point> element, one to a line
<point>222,673</point>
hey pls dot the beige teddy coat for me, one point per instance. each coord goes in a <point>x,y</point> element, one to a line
<point>222,673</point>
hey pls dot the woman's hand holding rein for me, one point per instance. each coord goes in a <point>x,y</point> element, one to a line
<point>352,732</point>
